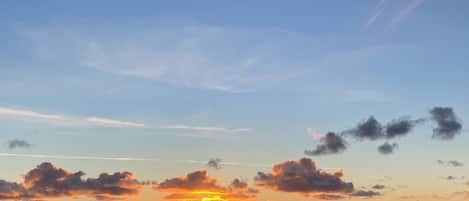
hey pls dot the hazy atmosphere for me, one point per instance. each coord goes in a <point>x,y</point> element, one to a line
<point>222,100</point>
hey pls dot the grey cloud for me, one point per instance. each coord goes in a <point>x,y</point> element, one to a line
<point>331,143</point>
<point>215,163</point>
<point>16,143</point>
<point>387,148</point>
<point>362,193</point>
<point>448,124</point>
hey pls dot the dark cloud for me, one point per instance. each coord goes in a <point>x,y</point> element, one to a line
<point>387,148</point>
<point>48,181</point>
<point>16,143</point>
<point>451,163</point>
<point>215,163</point>
<point>199,184</point>
<point>302,176</point>
<point>326,196</point>
<point>331,143</point>
<point>448,124</point>
<point>400,127</point>
<point>378,187</point>
<point>370,129</point>
<point>362,193</point>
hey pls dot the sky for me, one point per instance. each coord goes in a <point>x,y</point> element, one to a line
<point>222,100</point>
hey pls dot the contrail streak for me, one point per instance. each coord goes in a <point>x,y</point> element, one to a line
<point>72,157</point>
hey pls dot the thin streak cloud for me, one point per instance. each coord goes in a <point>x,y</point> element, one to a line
<point>109,122</point>
<point>413,4</point>
<point>43,156</point>
<point>204,128</point>
<point>113,122</point>
<point>29,114</point>
<point>376,13</point>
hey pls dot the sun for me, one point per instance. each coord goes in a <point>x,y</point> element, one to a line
<point>210,195</point>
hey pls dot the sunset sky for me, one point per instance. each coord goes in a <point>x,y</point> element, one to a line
<point>223,100</point>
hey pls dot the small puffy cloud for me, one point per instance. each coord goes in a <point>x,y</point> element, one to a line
<point>331,143</point>
<point>451,163</point>
<point>370,129</point>
<point>198,185</point>
<point>302,176</point>
<point>16,143</point>
<point>448,123</point>
<point>215,163</point>
<point>400,127</point>
<point>387,148</point>
<point>378,187</point>
<point>48,181</point>
<point>326,196</point>
<point>362,193</point>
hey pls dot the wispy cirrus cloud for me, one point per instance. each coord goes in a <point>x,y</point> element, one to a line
<point>29,114</point>
<point>62,157</point>
<point>398,17</point>
<point>204,128</point>
<point>190,56</point>
<point>111,122</point>
<point>403,13</point>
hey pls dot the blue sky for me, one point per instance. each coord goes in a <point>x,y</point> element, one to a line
<point>240,80</point>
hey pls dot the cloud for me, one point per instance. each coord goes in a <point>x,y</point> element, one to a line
<point>29,114</point>
<point>387,148</point>
<point>362,193</point>
<point>215,163</point>
<point>331,143</point>
<point>113,122</point>
<point>190,56</point>
<point>109,122</point>
<point>198,185</point>
<point>377,11</point>
<point>370,129</point>
<point>314,134</point>
<point>403,13</point>
<point>326,196</point>
<point>400,127</point>
<point>451,163</point>
<point>205,128</point>
<point>16,143</point>
<point>41,156</point>
<point>448,124</point>
<point>302,176</point>
<point>48,181</point>
<point>378,187</point>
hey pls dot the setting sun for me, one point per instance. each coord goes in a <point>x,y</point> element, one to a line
<point>225,100</point>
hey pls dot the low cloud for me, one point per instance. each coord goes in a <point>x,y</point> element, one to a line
<point>451,163</point>
<point>331,143</point>
<point>369,129</point>
<point>448,124</point>
<point>48,181</point>
<point>378,187</point>
<point>303,177</point>
<point>400,127</point>
<point>387,148</point>
<point>199,184</point>
<point>362,193</point>
<point>215,163</point>
<point>16,143</point>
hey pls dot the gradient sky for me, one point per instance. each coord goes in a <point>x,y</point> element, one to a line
<point>168,85</point>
